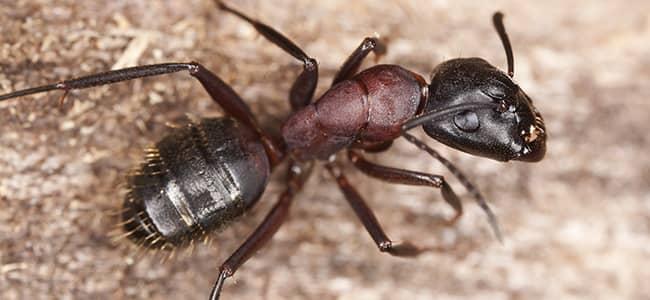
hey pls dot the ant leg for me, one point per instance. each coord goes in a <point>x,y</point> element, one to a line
<point>480,200</point>
<point>369,220</point>
<point>230,101</point>
<point>254,242</point>
<point>103,79</point>
<point>373,147</point>
<point>304,86</point>
<point>401,176</point>
<point>265,231</point>
<point>351,65</point>
<point>220,92</point>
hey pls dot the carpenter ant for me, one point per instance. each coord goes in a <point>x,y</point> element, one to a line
<point>202,176</point>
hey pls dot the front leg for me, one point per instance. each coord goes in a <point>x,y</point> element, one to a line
<point>480,200</point>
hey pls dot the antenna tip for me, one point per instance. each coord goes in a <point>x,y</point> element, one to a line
<point>497,20</point>
<point>497,231</point>
<point>494,224</point>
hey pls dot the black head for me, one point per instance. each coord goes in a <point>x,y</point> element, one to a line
<point>495,118</point>
<point>476,108</point>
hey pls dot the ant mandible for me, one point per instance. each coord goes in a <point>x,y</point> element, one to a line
<point>204,175</point>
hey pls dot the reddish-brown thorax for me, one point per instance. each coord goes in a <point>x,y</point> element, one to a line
<point>369,108</point>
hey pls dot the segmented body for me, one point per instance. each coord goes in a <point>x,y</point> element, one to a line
<point>369,108</point>
<point>195,180</point>
<point>202,176</point>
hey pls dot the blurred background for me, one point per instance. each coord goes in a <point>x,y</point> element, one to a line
<point>576,225</point>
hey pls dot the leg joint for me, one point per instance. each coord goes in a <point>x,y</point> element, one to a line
<point>227,271</point>
<point>193,67</point>
<point>437,180</point>
<point>310,64</point>
<point>369,43</point>
<point>385,246</point>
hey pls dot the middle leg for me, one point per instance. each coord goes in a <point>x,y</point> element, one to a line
<point>368,218</point>
<point>401,176</point>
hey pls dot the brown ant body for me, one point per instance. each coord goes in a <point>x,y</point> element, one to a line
<point>202,176</point>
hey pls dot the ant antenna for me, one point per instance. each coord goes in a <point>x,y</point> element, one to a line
<point>497,20</point>
<point>443,112</point>
<point>480,200</point>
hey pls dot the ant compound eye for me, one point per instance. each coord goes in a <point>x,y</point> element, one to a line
<point>467,121</point>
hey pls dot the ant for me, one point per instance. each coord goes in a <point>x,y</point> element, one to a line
<point>202,176</point>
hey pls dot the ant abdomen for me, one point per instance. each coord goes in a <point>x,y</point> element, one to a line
<point>196,180</point>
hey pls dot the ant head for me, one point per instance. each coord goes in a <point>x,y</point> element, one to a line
<point>476,108</point>
<point>495,118</point>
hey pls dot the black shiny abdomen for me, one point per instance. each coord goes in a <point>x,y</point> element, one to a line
<point>195,180</point>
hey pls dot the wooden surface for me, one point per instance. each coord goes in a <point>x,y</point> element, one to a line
<point>576,225</point>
